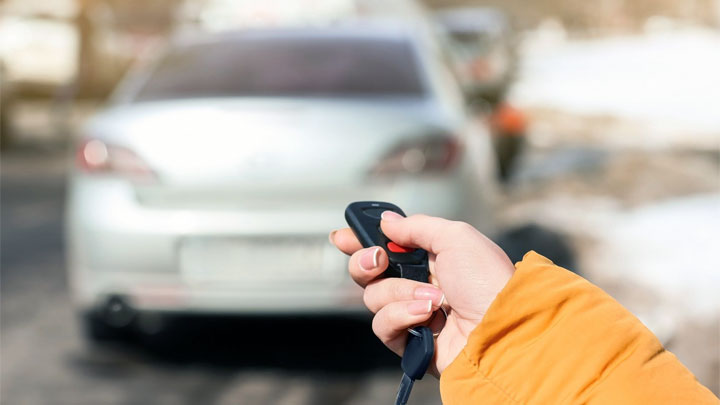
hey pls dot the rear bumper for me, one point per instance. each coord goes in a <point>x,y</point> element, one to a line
<point>119,247</point>
<point>144,292</point>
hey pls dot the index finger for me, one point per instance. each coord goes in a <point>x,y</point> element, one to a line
<point>345,240</point>
<point>430,233</point>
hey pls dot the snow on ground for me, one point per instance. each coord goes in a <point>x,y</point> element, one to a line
<point>669,80</point>
<point>670,247</point>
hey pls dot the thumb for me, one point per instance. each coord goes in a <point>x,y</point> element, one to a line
<point>421,231</point>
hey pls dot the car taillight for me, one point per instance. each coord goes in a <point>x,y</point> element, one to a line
<point>507,120</point>
<point>95,156</point>
<point>425,155</point>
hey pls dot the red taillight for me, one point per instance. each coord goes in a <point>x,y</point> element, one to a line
<point>95,156</point>
<point>425,155</point>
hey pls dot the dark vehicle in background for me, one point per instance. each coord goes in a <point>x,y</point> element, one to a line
<point>481,45</point>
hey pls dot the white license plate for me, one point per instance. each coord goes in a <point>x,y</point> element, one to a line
<point>259,259</point>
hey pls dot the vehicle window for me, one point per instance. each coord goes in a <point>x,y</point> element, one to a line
<point>472,40</point>
<point>287,67</point>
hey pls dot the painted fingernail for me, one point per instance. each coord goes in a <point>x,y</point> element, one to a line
<point>331,237</point>
<point>430,293</point>
<point>419,307</point>
<point>390,216</point>
<point>369,259</point>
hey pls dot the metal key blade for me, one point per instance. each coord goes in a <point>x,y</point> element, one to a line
<point>403,394</point>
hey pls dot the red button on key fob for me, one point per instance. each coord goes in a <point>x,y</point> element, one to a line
<point>395,248</point>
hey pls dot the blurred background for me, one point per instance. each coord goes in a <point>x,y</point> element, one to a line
<point>171,170</point>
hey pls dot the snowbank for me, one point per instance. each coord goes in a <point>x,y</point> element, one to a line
<point>671,248</point>
<point>669,80</point>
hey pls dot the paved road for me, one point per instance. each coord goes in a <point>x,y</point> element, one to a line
<point>206,361</point>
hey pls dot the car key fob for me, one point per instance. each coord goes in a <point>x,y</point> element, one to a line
<point>363,217</point>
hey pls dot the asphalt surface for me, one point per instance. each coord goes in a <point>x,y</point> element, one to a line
<point>45,359</point>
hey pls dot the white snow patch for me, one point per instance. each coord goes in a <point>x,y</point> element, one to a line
<point>673,248</point>
<point>668,250</point>
<point>668,80</point>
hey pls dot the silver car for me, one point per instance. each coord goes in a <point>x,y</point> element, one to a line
<point>210,183</point>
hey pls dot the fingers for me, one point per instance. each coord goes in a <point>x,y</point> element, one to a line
<point>382,292</point>
<point>345,240</point>
<point>430,233</point>
<point>366,264</point>
<point>391,322</point>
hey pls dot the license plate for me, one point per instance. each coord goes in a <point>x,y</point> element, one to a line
<point>259,259</point>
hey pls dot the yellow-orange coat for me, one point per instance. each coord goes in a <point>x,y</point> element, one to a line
<point>551,337</point>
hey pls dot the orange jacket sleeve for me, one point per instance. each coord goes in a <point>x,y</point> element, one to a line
<point>551,337</point>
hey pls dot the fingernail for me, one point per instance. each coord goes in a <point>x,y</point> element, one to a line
<point>390,216</point>
<point>419,307</point>
<point>331,237</point>
<point>430,293</point>
<point>369,259</point>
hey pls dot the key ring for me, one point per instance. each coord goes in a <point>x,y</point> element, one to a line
<point>435,334</point>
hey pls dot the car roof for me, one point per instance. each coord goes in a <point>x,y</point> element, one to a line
<point>473,18</point>
<point>381,30</point>
<point>214,15</point>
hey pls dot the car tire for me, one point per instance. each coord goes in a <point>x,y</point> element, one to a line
<point>96,331</point>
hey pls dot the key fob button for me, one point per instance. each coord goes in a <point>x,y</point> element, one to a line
<point>395,248</point>
<point>374,212</point>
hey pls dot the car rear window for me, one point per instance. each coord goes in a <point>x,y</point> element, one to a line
<point>286,67</point>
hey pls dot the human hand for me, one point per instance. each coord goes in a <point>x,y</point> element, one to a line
<point>467,271</point>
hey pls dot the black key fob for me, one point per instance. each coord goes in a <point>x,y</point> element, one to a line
<point>363,217</point>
